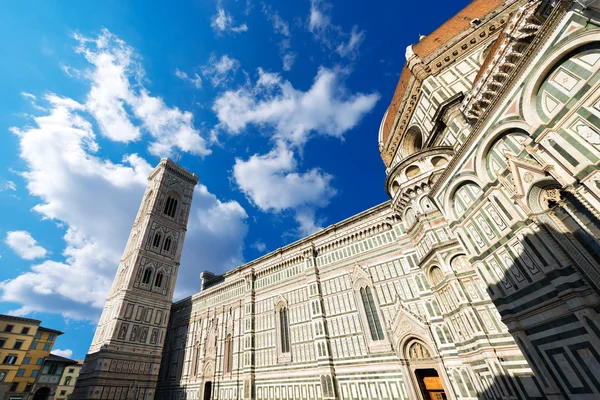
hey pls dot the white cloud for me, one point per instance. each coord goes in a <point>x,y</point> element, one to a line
<point>351,47</point>
<point>96,199</point>
<point>288,60</point>
<point>26,247</point>
<point>8,185</point>
<point>325,109</point>
<point>222,21</point>
<point>220,70</point>
<point>67,353</point>
<point>196,81</point>
<point>272,182</point>
<point>332,36</point>
<point>280,25</point>
<point>259,245</point>
<point>117,96</point>
<point>32,100</point>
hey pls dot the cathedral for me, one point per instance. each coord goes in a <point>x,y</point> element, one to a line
<point>478,279</point>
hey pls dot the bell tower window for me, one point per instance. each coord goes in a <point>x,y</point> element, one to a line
<point>156,241</point>
<point>167,245</point>
<point>170,207</point>
<point>147,276</point>
<point>158,280</point>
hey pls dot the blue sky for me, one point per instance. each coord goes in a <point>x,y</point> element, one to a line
<point>275,106</point>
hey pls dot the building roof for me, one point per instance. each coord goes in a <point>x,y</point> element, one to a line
<point>55,358</point>
<point>41,328</point>
<point>20,319</point>
<point>454,26</point>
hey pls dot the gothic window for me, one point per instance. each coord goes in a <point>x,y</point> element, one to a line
<point>156,241</point>
<point>170,207</point>
<point>159,280</point>
<point>68,380</point>
<point>371,313</point>
<point>327,386</point>
<point>167,245</point>
<point>147,276</point>
<point>228,361</point>
<point>284,330</point>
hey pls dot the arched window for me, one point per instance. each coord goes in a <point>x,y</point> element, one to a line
<point>170,207</point>
<point>156,241</point>
<point>284,331</point>
<point>327,386</point>
<point>147,276</point>
<point>228,361</point>
<point>167,245</point>
<point>158,280</point>
<point>371,312</point>
<point>68,380</point>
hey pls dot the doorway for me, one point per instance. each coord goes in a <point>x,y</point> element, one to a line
<point>42,394</point>
<point>207,390</point>
<point>430,384</point>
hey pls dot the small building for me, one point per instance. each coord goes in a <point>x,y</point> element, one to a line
<point>16,336</point>
<point>50,378</point>
<point>67,381</point>
<point>39,350</point>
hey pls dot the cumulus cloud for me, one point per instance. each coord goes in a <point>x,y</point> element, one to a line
<point>196,80</point>
<point>67,353</point>
<point>222,21</point>
<point>26,247</point>
<point>117,97</point>
<point>220,70</point>
<point>332,36</point>
<point>272,183</point>
<point>96,199</point>
<point>325,109</point>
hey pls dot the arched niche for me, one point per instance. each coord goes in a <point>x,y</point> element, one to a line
<point>542,70</point>
<point>395,188</point>
<point>464,197</point>
<point>412,171</point>
<point>566,79</point>
<point>438,161</point>
<point>511,142</point>
<point>413,141</point>
<point>436,275</point>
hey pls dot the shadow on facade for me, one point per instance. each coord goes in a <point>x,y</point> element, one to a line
<point>547,296</point>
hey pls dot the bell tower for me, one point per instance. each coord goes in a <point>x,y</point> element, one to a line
<point>125,354</point>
